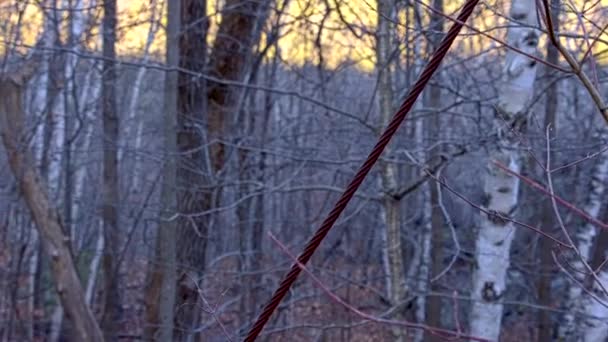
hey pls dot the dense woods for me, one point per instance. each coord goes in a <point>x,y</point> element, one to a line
<point>163,163</point>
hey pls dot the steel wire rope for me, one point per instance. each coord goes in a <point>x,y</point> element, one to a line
<point>354,184</point>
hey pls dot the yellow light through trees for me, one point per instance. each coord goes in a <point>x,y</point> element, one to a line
<point>329,32</point>
<point>20,26</point>
<point>134,26</point>
<point>318,32</point>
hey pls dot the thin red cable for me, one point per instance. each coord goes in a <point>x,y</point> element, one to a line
<point>349,192</point>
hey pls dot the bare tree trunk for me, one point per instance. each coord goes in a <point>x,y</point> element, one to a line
<point>250,217</point>
<point>252,125</point>
<point>160,291</point>
<point>496,232</point>
<point>42,113</point>
<point>596,328</point>
<point>433,101</point>
<point>112,297</point>
<point>141,72</point>
<point>91,90</point>
<point>57,127</point>
<point>197,193</point>
<point>33,271</point>
<point>41,93</point>
<point>493,247</point>
<point>420,266</point>
<point>192,175</point>
<point>571,326</point>
<point>547,219</point>
<point>79,103</point>
<point>133,117</point>
<point>55,243</point>
<point>94,266</point>
<point>64,141</point>
<point>424,267</point>
<point>392,251</point>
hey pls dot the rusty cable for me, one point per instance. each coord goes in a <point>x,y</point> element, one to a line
<point>372,158</point>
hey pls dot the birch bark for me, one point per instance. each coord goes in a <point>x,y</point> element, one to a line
<point>71,106</point>
<point>132,112</point>
<point>585,237</point>
<point>596,328</point>
<point>496,233</point>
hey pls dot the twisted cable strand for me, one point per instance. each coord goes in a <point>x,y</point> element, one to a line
<point>372,158</point>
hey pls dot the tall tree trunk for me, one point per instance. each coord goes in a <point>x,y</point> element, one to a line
<point>76,28</point>
<point>57,119</point>
<point>46,217</point>
<point>90,94</point>
<point>571,327</point>
<point>547,219</point>
<point>251,216</point>
<point>433,101</point>
<point>596,328</point>
<point>192,175</point>
<point>493,244</point>
<point>252,125</point>
<point>43,114</point>
<point>112,298</point>
<point>160,291</point>
<point>392,251</point>
<point>197,188</point>
<point>425,263</point>
<point>133,118</point>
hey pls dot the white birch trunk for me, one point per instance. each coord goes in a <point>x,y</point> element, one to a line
<point>58,122</point>
<point>423,260</point>
<point>422,278</point>
<point>419,269</point>
<point>154,21</point>
<point>41,90</point>
<point>596,329</point>
<point>56,322</point>
<point>492,248</point>
<point>94,267</point>
<point>56,152</point>
<point>92,90</point>
<point>60,130</point>
<point>585,238</point>
<point>132,110</point>
<point>33,270</point>
<point>386,268</point>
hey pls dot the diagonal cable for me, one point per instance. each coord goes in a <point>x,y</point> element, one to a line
<point>350,190</point>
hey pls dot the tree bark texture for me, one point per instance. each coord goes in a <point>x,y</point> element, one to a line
<point>160,290</point>
<point>496,232</point>
<point>547,221</point>
<point>46,217</point>
<point>112,309</point>
<point>201,135</point>
<point>392,250</point>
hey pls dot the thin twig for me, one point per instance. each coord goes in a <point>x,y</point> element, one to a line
<point>443,333</point>
<point>559,200</point>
